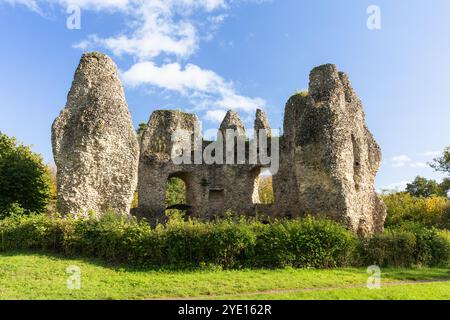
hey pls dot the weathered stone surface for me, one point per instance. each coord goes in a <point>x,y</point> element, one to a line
<point>329,158</point>
<point>94,143</point>
<point>234,122</point>
<point>211,190</point>
<point>328,162</point>
<point>159,139</point>
<point>262,123</point>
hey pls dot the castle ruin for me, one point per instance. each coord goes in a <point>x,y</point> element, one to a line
<point>328,158</point>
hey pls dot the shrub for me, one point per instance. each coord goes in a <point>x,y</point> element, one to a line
<point>431,212</point>
<point>406,245</point>
<point>272,247</point>
<point>444,234</point>
<point>231,243</point>
<point>31,232</point>
<point>184,244</point>
<point>24,179</point>
<point>240,243</point>
<point>431,248</point>
<point>389,249</point>
<point>304,243</point>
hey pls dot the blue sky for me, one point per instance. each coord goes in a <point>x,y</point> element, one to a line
<point>206,55</point>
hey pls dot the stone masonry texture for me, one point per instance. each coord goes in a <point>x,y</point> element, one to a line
<point>94,143</point>
<point>328,157</point>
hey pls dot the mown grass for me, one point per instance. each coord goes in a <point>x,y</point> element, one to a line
<point>25,275</point>
<point>417,291</point>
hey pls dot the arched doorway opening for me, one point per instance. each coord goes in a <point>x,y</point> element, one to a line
<point>175,198</point>
<point>177,201</point>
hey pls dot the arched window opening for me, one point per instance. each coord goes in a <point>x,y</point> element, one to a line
<point>263,188</point>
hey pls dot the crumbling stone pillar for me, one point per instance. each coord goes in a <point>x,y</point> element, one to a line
<point>332,156</point>
<point>94,143</point>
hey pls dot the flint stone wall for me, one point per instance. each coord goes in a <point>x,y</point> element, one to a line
<point>94,143</point>
<point>328,157</point>
<point>328,162</point>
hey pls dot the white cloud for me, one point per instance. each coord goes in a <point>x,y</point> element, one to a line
<point>192,82</point>
<point>401,160</point>
<point>152,31</point>
<point>213,24</point>
<point>215,115</point>
<point>396,187</point>
<point>95,4</point>
<point>165,29</point>
<point>404,160</point>
<point>231,100</point>
<point>172,76</point>
<point>39,5</point>
<point>154,27</point>
<point>418,165</point>
<point>30,4</point>
<point>125,5</point>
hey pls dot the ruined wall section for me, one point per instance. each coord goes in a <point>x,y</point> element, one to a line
<point>333,154</point>
<point>211,189</point>
<point>328,157</point>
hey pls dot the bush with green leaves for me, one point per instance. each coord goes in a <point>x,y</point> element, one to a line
<point>25,181</point>
<point>231,243</point>
<point>406,245</point>
<point>432,211</point>
<point>304,243</point>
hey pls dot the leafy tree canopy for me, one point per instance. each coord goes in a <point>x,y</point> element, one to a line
<point>442,164</point>
<point>422,187</point>
<point>141,128</point>
<point>25,181</point>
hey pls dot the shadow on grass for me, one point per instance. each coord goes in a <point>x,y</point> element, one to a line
<point>401,274</point>
<point>98,262</point>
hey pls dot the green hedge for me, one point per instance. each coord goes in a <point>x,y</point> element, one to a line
<point>241,243</point>
<point>406,245</point>
<point>227,243</point>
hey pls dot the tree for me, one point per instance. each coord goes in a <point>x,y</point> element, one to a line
<point>52,170</point>
<point>140,130</point>
<point>422,187</point>
<point>265,190</point>
<point>175,192</point>
<point>442,164</point>
<point>25,181</point>
<point>445,186</point>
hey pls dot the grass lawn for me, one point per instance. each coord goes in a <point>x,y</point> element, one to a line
<point>417,291</point>
<point>43,276</point>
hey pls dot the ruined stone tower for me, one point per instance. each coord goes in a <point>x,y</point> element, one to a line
<point>94,143</point>
<point>328,158</point>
